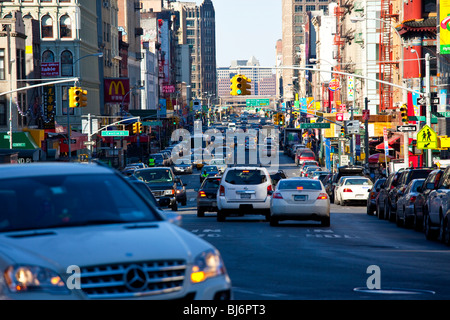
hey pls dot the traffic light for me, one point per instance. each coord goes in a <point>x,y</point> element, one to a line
<point>139,127</point>
<point>74,97</point>
<point>342,131</point>
<point>280,119</point>
<point>233,87</point>
<point>135,127</point>
<point>275,118</point>
<point>245,86</point>
<point>404,113</point>
<point>83,97</point>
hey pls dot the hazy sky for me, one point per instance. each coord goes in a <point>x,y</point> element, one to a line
<point>262,21</point>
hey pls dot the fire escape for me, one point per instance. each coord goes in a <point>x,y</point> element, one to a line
<point>386,64</point>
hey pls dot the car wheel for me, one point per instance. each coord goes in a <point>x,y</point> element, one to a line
<point>399,222</point>
<point>430,234</point>
<point>184,203</point>
<point>447,233</point>
<point>386,211</point>
<point>380,213</point>
<point>336,201</point>
<point>325,222</point>
<point>175,206</point>
<point>200,212</point>
<point>273,222</point>
<point>221,216</point>
<point>369,210</point>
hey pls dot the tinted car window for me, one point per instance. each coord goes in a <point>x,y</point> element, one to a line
<point>154,176</point>
<point>58,201</point>
<point>299,185</point>
<point>211,184</point>
<point>358,182</point>
<point>245,177</point>
<point>307,154</point>
<point>417,174</point>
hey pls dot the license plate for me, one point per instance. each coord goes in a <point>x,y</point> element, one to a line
<point>300,198</point>
<point>360,196</point>
<point>245,196</point>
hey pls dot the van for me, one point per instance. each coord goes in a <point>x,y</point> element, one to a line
<point>232,126</point>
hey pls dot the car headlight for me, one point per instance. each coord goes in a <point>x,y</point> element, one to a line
<point>169,192</point>
<point>23,278</point>
<point>207,265</point>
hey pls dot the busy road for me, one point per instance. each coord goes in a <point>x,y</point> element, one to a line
<point>350,259</point>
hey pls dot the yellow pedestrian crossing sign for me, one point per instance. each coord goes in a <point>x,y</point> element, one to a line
<point>427,138</point>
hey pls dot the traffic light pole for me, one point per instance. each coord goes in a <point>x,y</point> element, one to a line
<point>428,103</point>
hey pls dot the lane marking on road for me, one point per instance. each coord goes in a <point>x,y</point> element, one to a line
<point>327,233</point>
<point>210,233</point>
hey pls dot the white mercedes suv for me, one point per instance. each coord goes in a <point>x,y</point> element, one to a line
<point>244,190</point>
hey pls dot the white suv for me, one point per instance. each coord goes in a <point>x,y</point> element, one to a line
<point>244,190</point>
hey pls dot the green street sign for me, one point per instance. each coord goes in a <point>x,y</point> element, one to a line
<point>115,133</point>
<point>423,118</point>
<point>152,123</point>
<point>438,114</point>
<point>257,102</point>
<point>317,125</point>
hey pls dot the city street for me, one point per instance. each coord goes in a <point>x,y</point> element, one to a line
<point>302,260</point>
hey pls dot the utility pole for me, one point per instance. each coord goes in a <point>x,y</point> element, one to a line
<point>366,134</point>
<point>428,101</point>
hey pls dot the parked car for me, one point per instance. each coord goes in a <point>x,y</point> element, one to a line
<point>305,164</point>
<point>84,233</point>
<point>373,193</point>
<point>352,188</point>
<point>299,199</point>
<point>405,203</point>
<point>180,191</point>
<point>406,176</point>
<point>431,183</point>
<point>304,155</point>
<point>183,165</point>
<point>436,217</point>
<point>161,181</point>
<point>208,171</point>
<point>207,196</point>
<point>244,190</point>
<point>386,195</point>
<point>142,187</point>
<point>341,172</point>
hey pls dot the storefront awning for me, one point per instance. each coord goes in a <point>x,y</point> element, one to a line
<point>391,141</point>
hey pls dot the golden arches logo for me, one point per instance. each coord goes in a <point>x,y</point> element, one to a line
<point>116,85</point>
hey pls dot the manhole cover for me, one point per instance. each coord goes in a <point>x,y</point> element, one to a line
<point>393,291</point>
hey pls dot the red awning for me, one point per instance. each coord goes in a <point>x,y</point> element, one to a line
<point>391,141</point>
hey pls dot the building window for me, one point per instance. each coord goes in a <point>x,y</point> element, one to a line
<point>47,27</point>
<point>48,56</point>
<point>299,8</point>
<point>310,7</point>
<point>65,27</point>
<point>2,112</point>
<point>2,64</point>
<point>66,63</point>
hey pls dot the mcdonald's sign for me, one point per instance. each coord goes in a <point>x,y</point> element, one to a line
<point>116,90</point>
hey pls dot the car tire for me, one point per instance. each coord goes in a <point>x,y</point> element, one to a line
<point>336,200</point>
<point>273,221</point>
<point>200,212</point>
<point>447,233</point>
<point>175,206</point>
<point>386,211</point>
<point>184,203</point>
<point>430,234</point>
<point>325,222</point>
<point>267,215</point>
<point>399,222</point>
<point>221,216</point>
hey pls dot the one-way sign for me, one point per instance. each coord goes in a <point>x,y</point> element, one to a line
<point>410,128</point>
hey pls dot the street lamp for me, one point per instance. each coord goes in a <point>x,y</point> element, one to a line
<point>418,61</point>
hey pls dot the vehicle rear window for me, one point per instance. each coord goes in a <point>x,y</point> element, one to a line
<point>307,154</point>
<point>212,184</point>
<point>252,176</point>
<point>299,185</point>
<point>358,182</point>
<point>418,174</point>
<point>154,176</point>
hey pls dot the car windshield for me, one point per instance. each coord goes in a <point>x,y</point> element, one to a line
<point>210,169</point>
<point>211,184</point>
<point>157,156</point>
<point>238,176</point>
<point>183,161</point>
<point>360,181</point>
<point>299,185</point>
<point>69,200</point>
<point>154,175</point>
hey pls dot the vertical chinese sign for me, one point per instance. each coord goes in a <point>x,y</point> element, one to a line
<point>49,107</point>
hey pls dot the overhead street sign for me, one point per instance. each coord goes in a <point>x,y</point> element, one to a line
<point>317,125</point>
<point>115,133</point>
<point>257,102</point>
<point>409,128</point>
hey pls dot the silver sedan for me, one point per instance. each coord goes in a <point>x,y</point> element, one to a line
<point>300,199</point>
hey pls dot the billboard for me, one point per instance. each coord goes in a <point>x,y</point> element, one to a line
<point>444,24</point>
<point>117,90</point>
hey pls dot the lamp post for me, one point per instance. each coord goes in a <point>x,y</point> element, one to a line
<point>99,55</point>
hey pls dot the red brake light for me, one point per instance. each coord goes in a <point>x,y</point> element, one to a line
<point>277,195</point>
<point>347,190</point>
<point>202,194</point>
<point>299,188</point>
<point>322,196</point>
<point>412,199</point>
<point>222,191</point>
<point>269,188</point>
